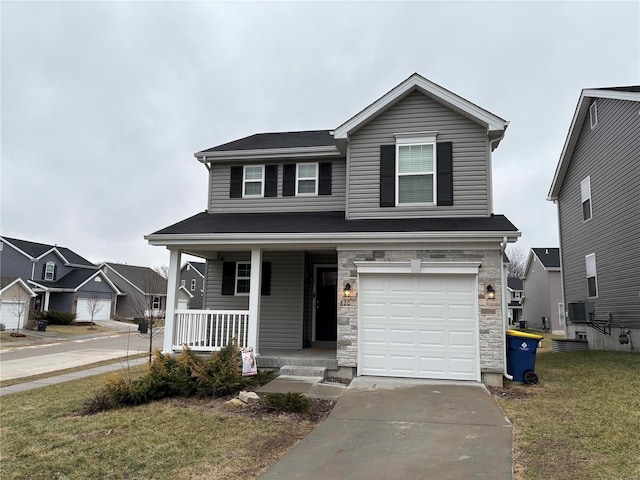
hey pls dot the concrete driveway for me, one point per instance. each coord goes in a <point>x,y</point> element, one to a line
<point>383,428</point>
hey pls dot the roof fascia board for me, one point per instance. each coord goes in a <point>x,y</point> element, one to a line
<point>572,135</point>
<point>17,249</point>
<point>482,116</point>
<point>20,282</point>
<point>182,287</point>
<point>194,268</point>
<point>122,277</point>
<point>326,238</point>
<point>57,252</point>
<point>323,151</point>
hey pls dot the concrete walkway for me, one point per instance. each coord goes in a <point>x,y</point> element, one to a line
<point>386,428</point>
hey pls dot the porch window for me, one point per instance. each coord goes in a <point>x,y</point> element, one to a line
<point>253,185</point>
<point>50,271</point>
<point>243,278</point>
<point>415,173</point>
<point>585,197</point>
<point>307,179</point>
<point>592,277</point>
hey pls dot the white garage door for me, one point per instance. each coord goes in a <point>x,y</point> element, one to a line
<point>103,310</point>
<point>421,326</point>
<point>9,314</point>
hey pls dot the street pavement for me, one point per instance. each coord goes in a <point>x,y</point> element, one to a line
<point>59,353</point>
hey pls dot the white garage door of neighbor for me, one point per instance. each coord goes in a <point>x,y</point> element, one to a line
<point>9,314</point>
<point>422,326</point>
<point>183,304</point>
<point>103,311</point>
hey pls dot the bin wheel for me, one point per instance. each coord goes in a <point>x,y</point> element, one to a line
<point>530,378</point>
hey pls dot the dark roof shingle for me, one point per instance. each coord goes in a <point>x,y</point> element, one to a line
<point>35,249</point>
<point>266,141</point>
<point>550,257</point>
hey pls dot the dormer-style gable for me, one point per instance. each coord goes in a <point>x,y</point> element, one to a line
<point>587,107</point>
<point>548,258</point>
<point>36,251</point>
<point>494,125</point>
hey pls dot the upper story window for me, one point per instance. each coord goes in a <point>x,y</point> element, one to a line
<point>253,181</point>
<point>193,284</point>
<point>156,302</point>
<point>593,114</point>
<point>307,179</point>
<point>182,282</point>
<point>517,295</point>
<point>585,197</point>
<point>243,278</point>
<point>49,271</point>
<point>592,275</point>
<point>415,173</point>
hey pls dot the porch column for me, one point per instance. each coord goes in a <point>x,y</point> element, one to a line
<point>173,283</point>
<point>254,298</point>
<point>47,296</point>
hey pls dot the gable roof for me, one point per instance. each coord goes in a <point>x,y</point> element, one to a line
<point>549,258</point>
<point>631,93</point>
<point>494,124</point>
<point>75,279</point>
<point>197,266</point>
<point>514,283</point>
<point>34,250</point>
<point>7,282</point>
<point>141,278</point>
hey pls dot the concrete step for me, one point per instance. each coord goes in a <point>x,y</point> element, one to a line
<point>271,361</point>
<point>303,371</point>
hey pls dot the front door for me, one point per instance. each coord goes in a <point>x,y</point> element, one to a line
<point>326,304</point>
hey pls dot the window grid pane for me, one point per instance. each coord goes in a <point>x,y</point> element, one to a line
<point>415,189</point>
<point>306,186</point>
<point>253,173</point>
<point>307,171</point>
<point>253,188</point>
<point>415,159</point>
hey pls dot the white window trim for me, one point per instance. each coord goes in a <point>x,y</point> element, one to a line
<point>593,115</point>
<point>595,273</point>
<point>245,181</point>
<point>426,138</point>
<point>315,179</point>
<point>51,273</point>
<point>583,198</point>
<point>193,284</point>
<point>238,277</point>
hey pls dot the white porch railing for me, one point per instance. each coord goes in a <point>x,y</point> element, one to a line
<point>210,330</point>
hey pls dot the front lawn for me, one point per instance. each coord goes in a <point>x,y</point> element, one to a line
<point>169,439</point>
<point>581,421</point>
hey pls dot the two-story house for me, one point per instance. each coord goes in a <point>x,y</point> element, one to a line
<point>144,291</point>
<point>515,293</point>
<point>596,187</point>
<point>376,239</point>
<point>192,284</point>
<point>542,305</point>
<point>61,279</point>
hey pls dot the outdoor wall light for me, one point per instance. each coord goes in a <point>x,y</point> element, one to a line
<point>491,293</point>
<point>347,290</point>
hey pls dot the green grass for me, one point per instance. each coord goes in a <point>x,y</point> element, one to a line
<point>170,439</point>
<point>581,421</point>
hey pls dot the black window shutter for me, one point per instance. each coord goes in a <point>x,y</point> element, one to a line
<point>387,175</point>
<point>271,181</point>
<point>228,278</point>
<point>444,160</point>
<point>235,186</point>
<point>289,180</point>
<point>55,270</point>
<point>44,270</point>
<point>266,278</point>
<point>324,187</point>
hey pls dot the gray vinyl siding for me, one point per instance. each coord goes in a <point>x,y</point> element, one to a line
<point>418,113</point>
<point>196,302</point>
<point>220,202</point>
<point>92,286</point>
<point>14,264</point>
<point>610,155</point>
<point>281,312</point>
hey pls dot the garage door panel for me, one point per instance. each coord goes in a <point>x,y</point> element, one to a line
<point>103,311</point>
<point>420,326</point>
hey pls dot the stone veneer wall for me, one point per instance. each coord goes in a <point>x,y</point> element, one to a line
<point>490,314</point>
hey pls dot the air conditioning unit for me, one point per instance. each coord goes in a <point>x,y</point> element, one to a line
<point>580,312</point>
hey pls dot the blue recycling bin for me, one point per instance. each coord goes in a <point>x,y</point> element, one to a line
<point>521,356</point>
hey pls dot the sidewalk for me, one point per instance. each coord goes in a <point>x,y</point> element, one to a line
<point>67,377</point>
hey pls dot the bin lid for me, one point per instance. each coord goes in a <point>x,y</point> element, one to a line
<point>517,333</point>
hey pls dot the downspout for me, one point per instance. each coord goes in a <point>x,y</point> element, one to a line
<point>503,300</point>
<point>210,180</point>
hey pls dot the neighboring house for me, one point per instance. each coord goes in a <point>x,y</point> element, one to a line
<point>143,290</point>
<point>515,288</point>
<point>542,302</point>
<point>192,281</point>
<point>15,299</point>
<point>377,238</point>
<point>597,189</point>
<point>61,279</point>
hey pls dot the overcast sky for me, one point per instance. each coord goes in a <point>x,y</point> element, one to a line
<point>103,104</point>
